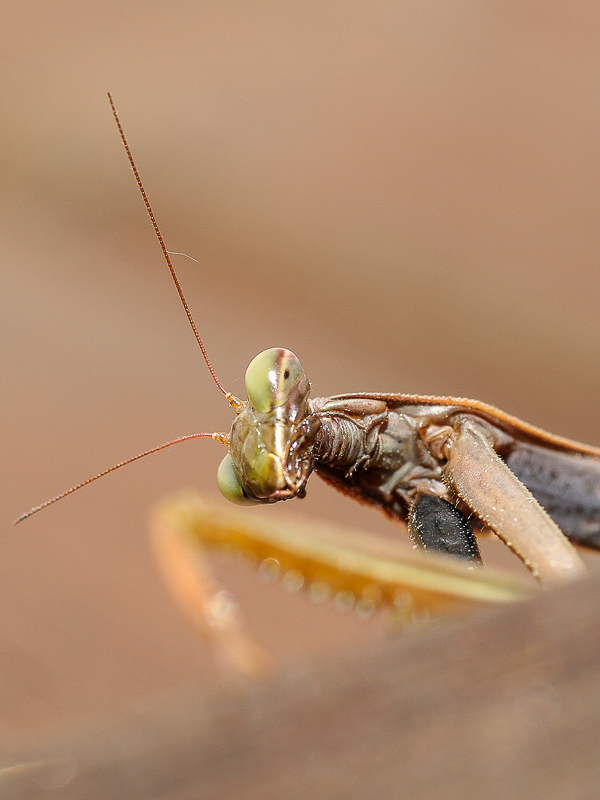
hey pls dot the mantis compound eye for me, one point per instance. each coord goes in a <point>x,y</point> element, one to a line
<point>271,377</point>
<point>230,484</point>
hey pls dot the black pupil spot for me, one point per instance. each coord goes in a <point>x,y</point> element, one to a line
<point>286,374</point>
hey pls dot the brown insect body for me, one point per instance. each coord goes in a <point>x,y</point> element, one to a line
<point>431,462</point>
<point>563,475</point>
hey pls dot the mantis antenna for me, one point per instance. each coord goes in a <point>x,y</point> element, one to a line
<point>218,437</point>
<point>233,401</point>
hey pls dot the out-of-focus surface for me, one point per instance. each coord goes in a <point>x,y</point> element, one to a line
<point>405,195</point>
<point>495,706</point>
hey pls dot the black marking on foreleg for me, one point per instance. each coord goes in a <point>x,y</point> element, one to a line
<point>437,526</point>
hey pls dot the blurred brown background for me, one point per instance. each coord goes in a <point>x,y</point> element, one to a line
<point>406,195</point>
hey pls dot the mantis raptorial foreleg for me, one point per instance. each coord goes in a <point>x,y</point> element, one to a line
<point>350,567</point>
<point>484,482</point>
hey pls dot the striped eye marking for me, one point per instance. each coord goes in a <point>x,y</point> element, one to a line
<point>270,378</point>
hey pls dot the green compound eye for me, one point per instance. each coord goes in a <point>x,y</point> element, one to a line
<point>270,378</point>
<point>230,485</point>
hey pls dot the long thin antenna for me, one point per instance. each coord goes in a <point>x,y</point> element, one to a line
<point>218,437</point>
<point>233,401</point>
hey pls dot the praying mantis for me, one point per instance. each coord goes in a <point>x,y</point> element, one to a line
<point>444,467</point>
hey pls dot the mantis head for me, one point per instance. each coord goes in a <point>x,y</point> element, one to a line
<point>268,441</point>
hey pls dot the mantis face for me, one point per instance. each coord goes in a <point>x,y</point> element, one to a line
<point>267,460</point>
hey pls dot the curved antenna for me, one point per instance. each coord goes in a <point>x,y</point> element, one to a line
<point>234,402</point>
<point>218,437</point>
<point>237,404</point>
